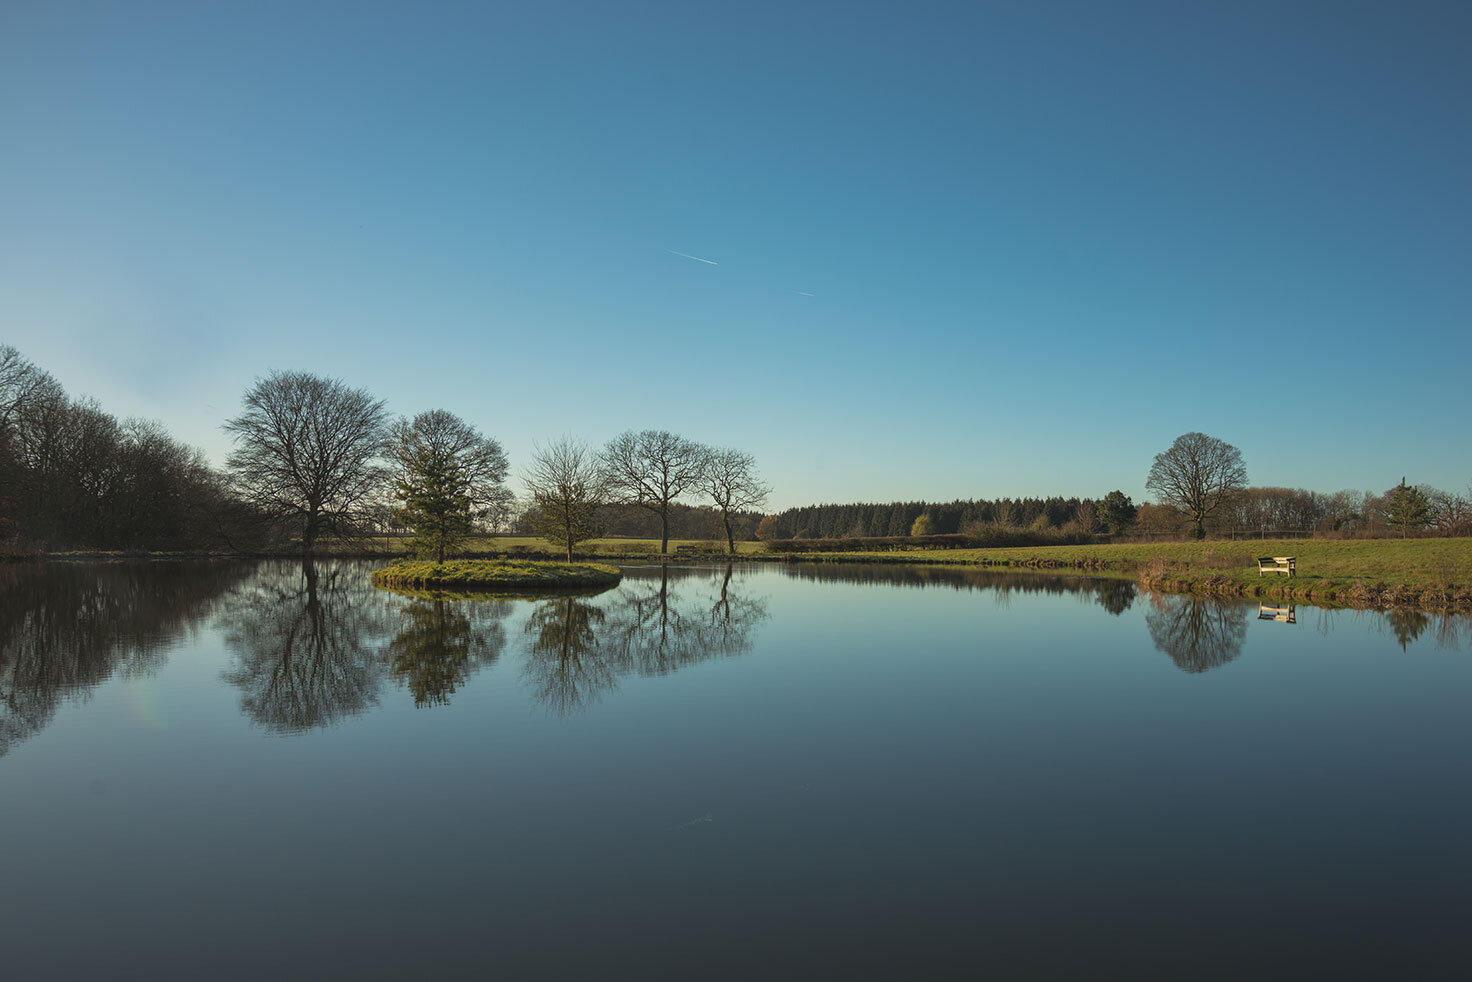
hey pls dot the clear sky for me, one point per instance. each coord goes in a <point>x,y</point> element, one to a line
<point>959,250</point>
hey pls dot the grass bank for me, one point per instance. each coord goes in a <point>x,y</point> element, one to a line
<point>495,575</point>
<point>1368,573</point>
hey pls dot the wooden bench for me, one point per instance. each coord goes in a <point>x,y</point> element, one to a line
<point>1276,564</point>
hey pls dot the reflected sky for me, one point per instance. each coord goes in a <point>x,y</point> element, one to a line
<point>854,770</point>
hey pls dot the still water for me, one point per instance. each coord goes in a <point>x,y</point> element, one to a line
<point>265,770</point>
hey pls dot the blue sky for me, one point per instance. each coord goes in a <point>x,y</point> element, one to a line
<point>962,250</point>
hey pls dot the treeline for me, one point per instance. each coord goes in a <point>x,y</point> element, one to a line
<point>72,475</point>
<point>1414,509</point>
<point>959,517</point>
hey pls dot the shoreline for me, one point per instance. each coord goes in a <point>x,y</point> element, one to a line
<point>1434,575</point>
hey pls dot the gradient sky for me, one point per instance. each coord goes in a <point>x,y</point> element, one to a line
<point>964,249</point>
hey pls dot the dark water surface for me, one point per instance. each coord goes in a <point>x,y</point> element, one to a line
<point>257,771</point>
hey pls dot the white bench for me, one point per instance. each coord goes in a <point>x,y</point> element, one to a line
<point>1276,564</point>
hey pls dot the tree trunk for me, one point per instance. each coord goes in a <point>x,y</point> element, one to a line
<point>569,548</point>
<point>730,538</point>
<point>664,531</point>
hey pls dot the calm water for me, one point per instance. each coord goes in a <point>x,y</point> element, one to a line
<point>217,770</point>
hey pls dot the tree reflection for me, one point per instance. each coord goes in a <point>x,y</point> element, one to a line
<point>1196,633</point>
<point>65,628</point>
<point>438,650</point>
<point>650,626</point>
<point>1407,625</point>
<point>566,668</point>
<point>1115,596</point>
<point>655,629</point>
<point>304,642</point>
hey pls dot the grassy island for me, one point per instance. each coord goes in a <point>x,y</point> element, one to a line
<point>494,574</point>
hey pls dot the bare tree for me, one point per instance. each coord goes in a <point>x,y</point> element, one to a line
<point>651,469</point>
<point>731,480</point>
<point>305,451</point>
<point>567,490</point>
<point>20,382</point>
<point>448,477</point>
<point>1198,474</point>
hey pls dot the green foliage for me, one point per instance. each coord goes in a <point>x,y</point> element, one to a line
<point>433,504</point>
<point>1407,508</point>
<point>924,525</point>
<point>1117,512</point>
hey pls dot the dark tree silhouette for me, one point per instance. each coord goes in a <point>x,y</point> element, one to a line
<point>650,470</point>
<point>1197,474</point>
<point>305,452</point>
<point>568,492</point>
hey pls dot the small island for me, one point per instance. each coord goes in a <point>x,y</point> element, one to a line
<point>496,574</point>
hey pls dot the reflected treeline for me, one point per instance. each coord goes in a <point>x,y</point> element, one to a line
<point>305,638</point>
<point>1114,595</point>
<point>443,641</point>
<point>1198,633</point>
<point>65,627</point>
<point>657,622</point>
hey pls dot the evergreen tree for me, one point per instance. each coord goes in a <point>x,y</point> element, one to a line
<point>1117,511</point>
<point>1406,508</point>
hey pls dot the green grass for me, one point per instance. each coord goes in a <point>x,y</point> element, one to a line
<point>495,575</point>
<point>1351,572</point>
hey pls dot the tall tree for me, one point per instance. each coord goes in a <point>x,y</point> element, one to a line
<point>448,476</point>
<point>567,491</point>
<point>305,451</point>
<point>1406,508</point>
<point>1198,474</point>
<point>652,468</point>
<point>731,481</point>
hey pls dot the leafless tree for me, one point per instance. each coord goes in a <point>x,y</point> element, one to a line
<point>1198,474</point>
<point>20,383</point>
<point>567,489</point>
<point>651,469</point>
<point>448,476</point>
<point>731,480</point>
<point>305,451</point>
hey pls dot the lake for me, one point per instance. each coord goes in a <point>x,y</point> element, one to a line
<point>249,770</point>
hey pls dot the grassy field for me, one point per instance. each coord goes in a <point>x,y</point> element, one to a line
<point>1352,572</point>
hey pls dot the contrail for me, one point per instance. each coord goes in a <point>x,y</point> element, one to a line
<point>804,293</point>
<point>696,258</point>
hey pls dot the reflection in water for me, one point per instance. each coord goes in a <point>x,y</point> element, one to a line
<point>1197,633</point>
<point>1114,595</point>
<point>655,629</point>
<point>438,650</point>
<point>1283,615</point>
<point>1407,625</point>
<point>565,668</point>
<point>651,626</point>
<point>65,627</point>
<point>304,644</point>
